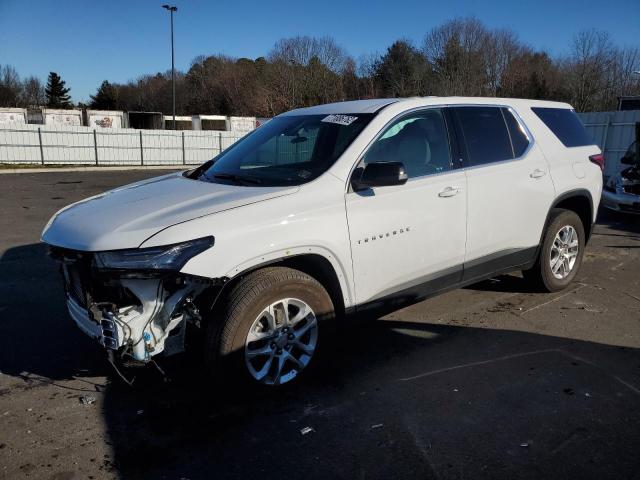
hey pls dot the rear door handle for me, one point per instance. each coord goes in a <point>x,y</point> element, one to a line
<point>537,173</point>
<point>449,192</point>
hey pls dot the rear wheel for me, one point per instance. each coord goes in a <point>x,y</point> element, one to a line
<point>269,329</point>
<point>561,254</point>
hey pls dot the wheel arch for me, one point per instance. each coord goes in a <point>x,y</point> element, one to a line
<point>578,201</point>
<point>313,264</point>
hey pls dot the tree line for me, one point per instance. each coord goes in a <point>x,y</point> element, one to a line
<point>461,57</point>
<point>30,92</point>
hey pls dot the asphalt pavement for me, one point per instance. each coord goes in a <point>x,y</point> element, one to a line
<point>490,381</point>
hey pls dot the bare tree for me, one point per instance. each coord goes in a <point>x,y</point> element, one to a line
<point>350,81</point>
<point>532,74</point>
<point>455,51</point>
<point>587,70</point>
<point>32,94</point>
<point>366,69</point>
<point>625,80</point>
<point>10,86</point>
<point>301,50</point>
<point>306,71</point>
<point>500,49</point>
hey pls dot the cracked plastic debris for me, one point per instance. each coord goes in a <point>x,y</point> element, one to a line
<point>87,400</point>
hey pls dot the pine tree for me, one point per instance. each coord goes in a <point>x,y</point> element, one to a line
<point>105,97</point>
<point>56,92</point>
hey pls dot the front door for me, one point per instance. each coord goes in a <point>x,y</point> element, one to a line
<point>409,237</point>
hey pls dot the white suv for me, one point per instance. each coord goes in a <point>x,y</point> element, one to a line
<point>323,212</point>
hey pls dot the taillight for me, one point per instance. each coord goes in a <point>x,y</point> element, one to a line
<point>598,160</point>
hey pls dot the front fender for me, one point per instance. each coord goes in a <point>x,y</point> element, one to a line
<point>280,255</point>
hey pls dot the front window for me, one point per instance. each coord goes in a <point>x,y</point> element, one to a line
<point>289,150</point>
<point>419,141</point>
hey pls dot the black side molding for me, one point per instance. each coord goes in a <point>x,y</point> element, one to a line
<point>450,279</point>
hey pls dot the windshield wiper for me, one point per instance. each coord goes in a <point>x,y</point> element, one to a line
<point>237,178</point>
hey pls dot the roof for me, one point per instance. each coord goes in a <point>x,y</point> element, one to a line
<point>374,105</point>
<point>355,106</point>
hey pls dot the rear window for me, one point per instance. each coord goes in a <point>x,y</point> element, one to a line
<point>485,134</point>
<point>565,125</point>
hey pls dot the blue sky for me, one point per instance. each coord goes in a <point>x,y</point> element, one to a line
<point>87,41</point>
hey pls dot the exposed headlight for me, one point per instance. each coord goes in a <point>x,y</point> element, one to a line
<point>166,257</point>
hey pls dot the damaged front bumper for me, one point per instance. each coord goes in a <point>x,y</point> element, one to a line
<point>136,314</point>
<point>621,201</point>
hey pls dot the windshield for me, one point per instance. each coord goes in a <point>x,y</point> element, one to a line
<point>289,150</point>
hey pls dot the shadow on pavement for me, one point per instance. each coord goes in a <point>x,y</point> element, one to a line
<point>513,283</point>
<point>37,337</point>
<point>627,222</point>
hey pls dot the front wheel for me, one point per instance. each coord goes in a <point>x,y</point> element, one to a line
<point>269,330</point>
<point>561,253</point>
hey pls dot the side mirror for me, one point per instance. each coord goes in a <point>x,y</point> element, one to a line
<point>380,174</point>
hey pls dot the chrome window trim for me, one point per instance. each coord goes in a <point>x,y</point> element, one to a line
<point>525,129</point>
<point>410,111</point>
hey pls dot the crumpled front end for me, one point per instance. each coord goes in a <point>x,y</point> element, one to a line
<point>136,314</point>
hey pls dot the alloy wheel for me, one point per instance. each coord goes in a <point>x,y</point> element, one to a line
<point>564,252</point>
<point>281,341</point>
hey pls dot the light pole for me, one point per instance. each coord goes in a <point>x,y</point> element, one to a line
<point>172,9</point>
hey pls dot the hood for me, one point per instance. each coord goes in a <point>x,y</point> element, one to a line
<point>127,216</point>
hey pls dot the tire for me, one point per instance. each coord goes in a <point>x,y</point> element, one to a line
<point>542,275</point>
<point>257,303</point>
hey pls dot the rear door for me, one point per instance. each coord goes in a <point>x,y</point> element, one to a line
<point>409,240</point>
<point>509,189</point>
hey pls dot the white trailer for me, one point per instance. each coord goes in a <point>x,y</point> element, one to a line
<point>62,117</point>
<point>13,115</point>
<point>211,122</point>
<point>183,122</point>
<point>105,119</point>
<point>242,124</point>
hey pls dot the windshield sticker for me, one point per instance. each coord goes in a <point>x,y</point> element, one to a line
<point>340,119</point>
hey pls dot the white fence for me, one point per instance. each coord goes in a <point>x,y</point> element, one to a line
<point>613,132</point>
<point>58,144</point>
<point>51,145</point>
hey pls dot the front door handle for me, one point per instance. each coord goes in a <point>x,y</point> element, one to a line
<point>449,192</point>
<point>537,173</point>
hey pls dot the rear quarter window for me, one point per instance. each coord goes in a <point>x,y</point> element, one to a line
<point>565,125</point>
